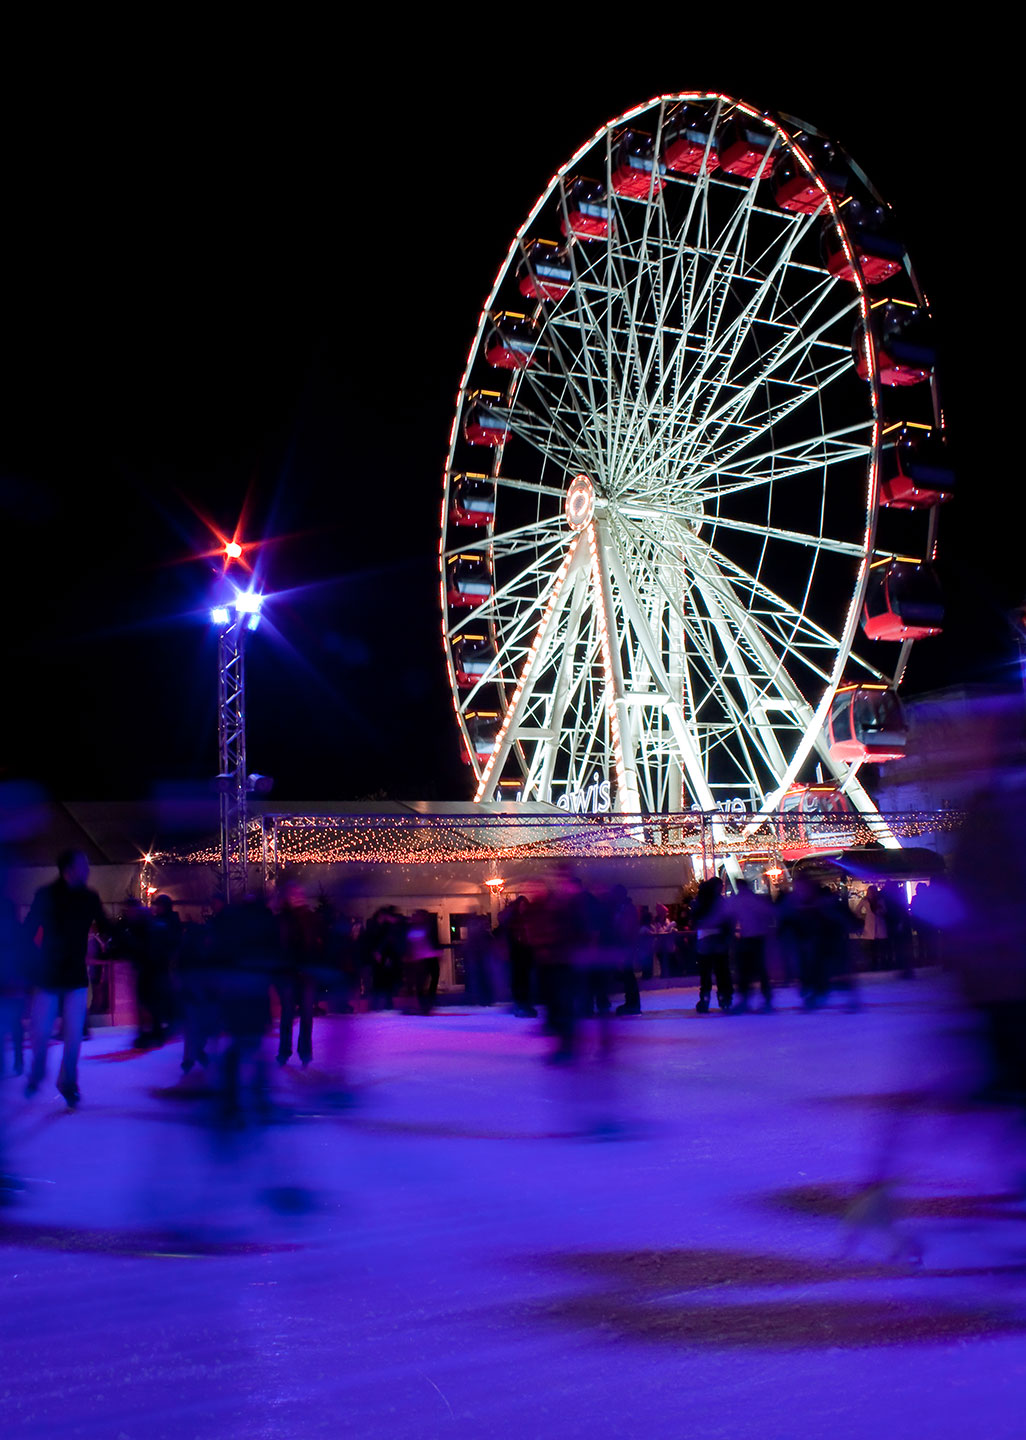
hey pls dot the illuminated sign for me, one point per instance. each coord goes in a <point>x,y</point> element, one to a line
<point>595,800</point>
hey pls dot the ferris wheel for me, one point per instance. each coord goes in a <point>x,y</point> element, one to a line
<point>697,441</point>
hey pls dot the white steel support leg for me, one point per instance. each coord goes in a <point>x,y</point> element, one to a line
<point>628,798</point>
<point>561,690</point>
<point>688,750</point>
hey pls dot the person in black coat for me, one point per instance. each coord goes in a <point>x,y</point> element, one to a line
<point>57,929</point>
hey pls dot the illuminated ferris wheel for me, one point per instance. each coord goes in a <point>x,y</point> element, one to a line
<point>697,441</point>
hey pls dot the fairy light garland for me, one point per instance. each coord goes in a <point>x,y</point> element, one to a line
<point>449,839</point>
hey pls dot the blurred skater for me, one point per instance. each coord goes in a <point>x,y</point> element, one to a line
<point>57,928</point>
<point>711,923</point>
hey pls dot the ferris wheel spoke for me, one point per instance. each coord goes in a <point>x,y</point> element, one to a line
<point>710,440</point>
<point>570,392</point>
<point>651,290</point>
<point>791,537</point>
<point>709,299</point>
<point>735,411</point>
<point>536,488</point>
<point>552,435</point>
<point>722,347</point>
<point>513,540</point>
<point>799,457</point>
<point>699,554</point>
<point>735,399</point>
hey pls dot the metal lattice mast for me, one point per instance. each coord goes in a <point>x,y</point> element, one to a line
<point>231,735</point>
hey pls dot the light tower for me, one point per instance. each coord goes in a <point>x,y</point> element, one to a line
<point>233,623</point>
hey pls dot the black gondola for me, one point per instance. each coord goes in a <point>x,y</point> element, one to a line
<point>916,467</point>
<point>483,727</point>
<point>796,190</point>
<point>866,725</point>
<point>474,659</point>
<point>879,254</point>
<point>511,342</point>
<point>744,148</point>
<point>690,143</point>
<point>468,581</point>
<point>587,210</point>
<point>903,601</point>
<point>637,170</point>
<point>902,333</point>
<point>545,272</point>
<point>473,499</point>
<point>819,817</point>
<point>486,419</point>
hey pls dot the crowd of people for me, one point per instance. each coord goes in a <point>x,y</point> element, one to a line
<point>562,952</point>
<point>563,949</point>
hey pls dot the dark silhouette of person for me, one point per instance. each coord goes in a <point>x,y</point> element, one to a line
<point>712,937</point>
<point>296,974</point>
<point>57,927</point>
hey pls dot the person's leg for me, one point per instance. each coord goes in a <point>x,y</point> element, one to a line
<point>631,992</point>
<point>724,983</point>
<point>43,1014</point>
<point>287,1001</point>
<point>762,973</point>
<point>704,979</point>
<point>73,1011</point>
<point>745,976</point>
<point>304,1048</point>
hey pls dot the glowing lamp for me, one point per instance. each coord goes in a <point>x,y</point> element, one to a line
<point>220,615</point>
<point>248,602</point>
<point>232,549</point>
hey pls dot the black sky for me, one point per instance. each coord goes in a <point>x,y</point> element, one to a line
<point>256,289</point>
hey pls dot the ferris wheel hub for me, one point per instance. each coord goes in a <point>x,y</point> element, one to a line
<point>580,503</point>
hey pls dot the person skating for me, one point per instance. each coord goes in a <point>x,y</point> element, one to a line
<point>57,927</point>
<point>711,925</point>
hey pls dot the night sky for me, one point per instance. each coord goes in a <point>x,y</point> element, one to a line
<point>233,294</point>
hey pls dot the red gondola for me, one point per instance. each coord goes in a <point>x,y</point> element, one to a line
<point>474,658</point>
<point>469,581</point>
<point>511,343</point>
<point>473,500</point>
<point>637,169</point>
<point>866,725</point>
<point>916,468</point>
<point>486,421</point>
<point>545,272</point>
<point>879,254</point>
<point>744,148</point>
<point>690,144</point>
<point>822,819</point>
<point>904,345</point>
<point>587,210</point>
<point>903,601</point>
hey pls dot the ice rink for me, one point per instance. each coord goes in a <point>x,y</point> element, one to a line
<point>472,1242</point>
